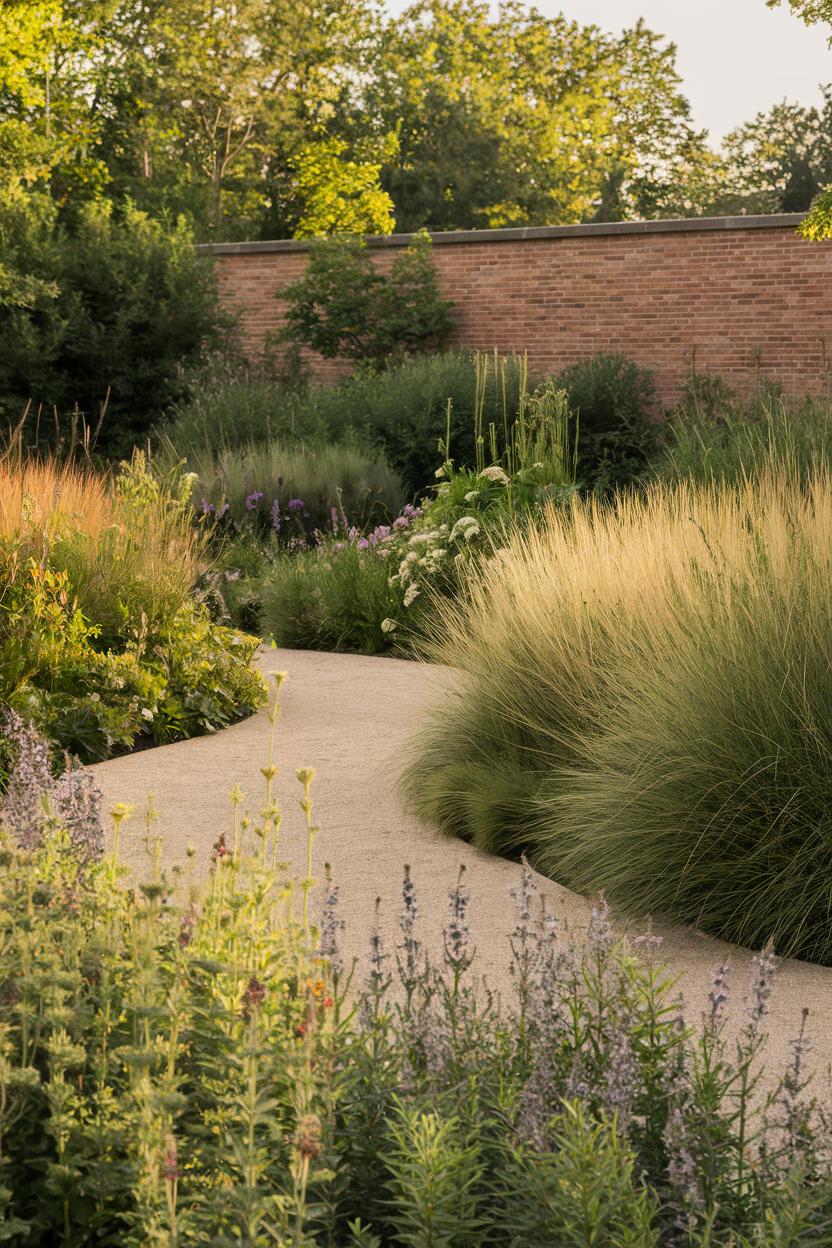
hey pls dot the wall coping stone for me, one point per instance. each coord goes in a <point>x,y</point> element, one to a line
<point>530,233</point>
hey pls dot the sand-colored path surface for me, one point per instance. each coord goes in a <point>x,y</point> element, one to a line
<point>349,717</point>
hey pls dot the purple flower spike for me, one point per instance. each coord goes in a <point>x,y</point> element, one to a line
<point>276,515</point>
<point>223,511</point>
<point>333,514</point>
<point>253,499</point>
<point>362,543</point>
<point>207,508</point>
<point>401,522</point>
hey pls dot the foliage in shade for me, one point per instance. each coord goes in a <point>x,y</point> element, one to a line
<point>642,704</point>
<point>712,436</point>
<point>615,404</point>
<point>401,411</point>
<point>100,316</point>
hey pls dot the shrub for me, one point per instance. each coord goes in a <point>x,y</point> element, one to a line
<point>404,410</point>
<point>720,439</point>
<point>102,639</point>
<point>615,403</point>
<point>99,314</point>
<point>344,306</point>
<point>325,599</point>
<point>182,1063</point>
<point>646,707</point>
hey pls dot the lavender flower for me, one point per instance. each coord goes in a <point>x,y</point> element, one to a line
<point>253,499</point>
<point>537,1106</point>
<point>458,956</point>
<point>331,928</point>
<point>764,964</point>
<point>797,1114</point>
<point>521,940</point>
<point>223,511</point>
<point>77,802</point>
<point>297,504</point>
<point>681,1167</point>
<point>362,543</point>
<point>74,799</point>
<point>381,533</point>
<point>276,515</point>
<point>599,936</point>
<point>377,981</point>
<point>622,1076</point>
<point>401,522</point>
<point>333,516</point>
<point>409,956</point>
<point>718,996</point>
<point>208,508</point>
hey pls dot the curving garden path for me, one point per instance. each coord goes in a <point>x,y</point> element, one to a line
<point>349,717</point>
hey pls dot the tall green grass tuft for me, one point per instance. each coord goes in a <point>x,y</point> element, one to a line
<point>643,704</point>
<point>707,440</point>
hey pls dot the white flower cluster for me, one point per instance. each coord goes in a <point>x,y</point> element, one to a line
<point>496,474</point>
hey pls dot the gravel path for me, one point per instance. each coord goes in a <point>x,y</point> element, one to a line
<point>348,717</point>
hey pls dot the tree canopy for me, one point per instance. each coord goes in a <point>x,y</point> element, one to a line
<point>273,118</point>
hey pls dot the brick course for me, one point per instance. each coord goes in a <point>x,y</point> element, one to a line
<point>733,295</point>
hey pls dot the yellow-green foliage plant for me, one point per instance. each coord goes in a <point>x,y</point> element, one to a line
<point>102,635</point>
<point>642,703</point>
<point>165,1049</point>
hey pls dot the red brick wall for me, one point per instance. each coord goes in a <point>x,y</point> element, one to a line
<point>736,294</point>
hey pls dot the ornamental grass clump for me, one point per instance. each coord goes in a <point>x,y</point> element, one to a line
<point>715,438</point>
<point>259,487</point>
<point>643,704</point>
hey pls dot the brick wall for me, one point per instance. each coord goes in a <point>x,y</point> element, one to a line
<point>737,294</point>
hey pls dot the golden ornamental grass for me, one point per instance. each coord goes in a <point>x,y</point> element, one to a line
<point>40,492</point>
<point>646,705</point>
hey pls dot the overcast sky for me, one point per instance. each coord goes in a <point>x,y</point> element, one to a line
<point>736,57</point>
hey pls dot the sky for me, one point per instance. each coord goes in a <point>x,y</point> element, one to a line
<point>736,57</point>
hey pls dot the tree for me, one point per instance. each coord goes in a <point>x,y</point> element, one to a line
<point>810,10</point>
<point>339,195</point>
<point>114,306</point>
<point>516,118</point>
<point>779,161</point>
<point>818,224</point>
